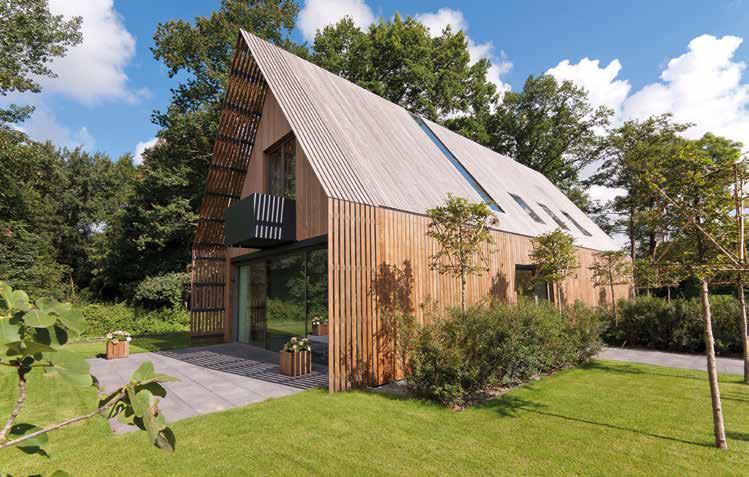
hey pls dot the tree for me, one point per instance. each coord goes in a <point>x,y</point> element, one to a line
<point>637,150</point>
<point>610,268</point>
<point>697,186</point>
<point>154,232</point>
<point>399,60</point>
<point>556,259</point>
<point>33,336</point>
<point>552,128</point>
<point>461,229</point>
<point>31,38</point>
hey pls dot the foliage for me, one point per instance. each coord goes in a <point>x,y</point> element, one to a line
<point>34,336</point>
<point>461,229</point>
<point>429,74</point>
<point>117,336</point>
<point>552,128</point>
<point>610,268</point>
<point>654,323</point>
<point>32,38</point>
<point>168,290</point>
<point>485,347</point>
<point>102,318</point>
<point>297,344</point>
<point>318,320</point>
<point>555,258</point>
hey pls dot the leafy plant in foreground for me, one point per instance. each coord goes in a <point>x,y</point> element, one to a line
<point>34,336</point>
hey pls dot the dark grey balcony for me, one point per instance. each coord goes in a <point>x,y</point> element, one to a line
<point>260,221</point>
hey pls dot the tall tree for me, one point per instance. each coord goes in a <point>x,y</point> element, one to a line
<point>31,38</point>
<point>461,229</point>
<point>552,128</point>
<point>156,228</point>
<point>611,268</point>
<point>697,186</point>
<point>399,60</point>
<point>638,150</point>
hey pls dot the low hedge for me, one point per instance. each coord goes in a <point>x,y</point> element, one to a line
<point>654,323</point>
<point>103,318</point>
<point>496,346</point>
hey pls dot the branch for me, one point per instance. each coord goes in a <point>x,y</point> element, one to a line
<point>17,409</point>
<point>65,423</point>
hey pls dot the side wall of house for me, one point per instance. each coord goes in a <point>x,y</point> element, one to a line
<point>379,262</point>
<point>311,201</point>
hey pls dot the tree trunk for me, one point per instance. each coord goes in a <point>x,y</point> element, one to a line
<point>712,372</point>
<point>613,301</point>
<point>744,340</point>
<point>463,291</point>
<point>632,248</point>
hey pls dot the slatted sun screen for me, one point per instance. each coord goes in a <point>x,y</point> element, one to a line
<point>240,117</point>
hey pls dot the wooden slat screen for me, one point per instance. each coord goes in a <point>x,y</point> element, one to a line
<point>238,125</point>
<point>378,262</point>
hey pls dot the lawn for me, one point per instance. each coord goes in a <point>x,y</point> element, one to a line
<point>606,418</point>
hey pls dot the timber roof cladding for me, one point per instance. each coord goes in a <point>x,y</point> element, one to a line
<point>368,150</point>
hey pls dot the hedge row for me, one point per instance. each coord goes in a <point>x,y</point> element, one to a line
<point>654,323</point>
<point>103,318</point>
<point>487,347</point>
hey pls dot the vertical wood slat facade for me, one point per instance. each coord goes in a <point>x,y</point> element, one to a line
<point>240,117</point>
<point>378,262</point>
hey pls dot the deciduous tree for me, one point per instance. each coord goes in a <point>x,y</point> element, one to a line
<point>555,258</point>
<point>611,268</point>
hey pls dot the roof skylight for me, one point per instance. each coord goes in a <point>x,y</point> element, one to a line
<point>576,224</point>
<point>455,162</point>
<point>523,205</point>
<point>554,216</point>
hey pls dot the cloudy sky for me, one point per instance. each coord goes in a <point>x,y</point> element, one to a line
<point>684,57</point>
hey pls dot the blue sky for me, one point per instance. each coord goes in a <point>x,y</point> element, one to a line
<point>684,57</point>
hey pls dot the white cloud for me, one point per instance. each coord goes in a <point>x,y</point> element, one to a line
<point>141,147</point>
<point>601,83</point>
<point>703,86</point>
<point>317,14</point>
<point>437,21</point>
<point>95,69</point>
<point>44,126</point>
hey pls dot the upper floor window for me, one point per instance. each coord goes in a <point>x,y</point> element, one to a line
<point>524,205</point>
<point>554,216</point>
<point>577,224</point>
<point>282,169</point>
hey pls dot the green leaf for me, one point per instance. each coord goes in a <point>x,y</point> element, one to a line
<point>70,367</point>
<point>166,440</point>
<point>10,330</point>
<point>39,319</point>
<point>5,293</point>
<point>29,347</point>
<point>155,388</point>
<point>144,373</point>
<point>30,446</point>
<point>73,320</point>
<point>54,336</point>
<point>19,300</point>
<point>154,424</point>
<point>141,401</point>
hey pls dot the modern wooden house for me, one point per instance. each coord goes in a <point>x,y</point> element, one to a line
<point>315,207</point>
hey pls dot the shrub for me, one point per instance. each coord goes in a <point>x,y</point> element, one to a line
<point>654,323</point>
<point>164,291</point>
<point>101,319</point>
<point>499,345</point>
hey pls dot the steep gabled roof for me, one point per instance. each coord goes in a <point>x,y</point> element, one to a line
<point>366,149</point>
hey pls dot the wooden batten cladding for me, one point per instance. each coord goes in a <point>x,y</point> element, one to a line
<point>378,262</point>
<point>240,117</point>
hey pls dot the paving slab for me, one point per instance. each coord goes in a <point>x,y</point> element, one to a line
<point>211,378</point>
<point>672,360</point>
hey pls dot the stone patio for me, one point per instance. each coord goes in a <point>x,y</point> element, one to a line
<point>211,378</point>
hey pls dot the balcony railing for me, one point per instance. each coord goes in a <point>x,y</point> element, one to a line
<point>260,221</point>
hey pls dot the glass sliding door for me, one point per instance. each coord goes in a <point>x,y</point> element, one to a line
<point>279,296</point>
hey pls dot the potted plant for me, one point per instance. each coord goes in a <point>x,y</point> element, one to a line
<point>296,357</point>
<point>320,326</point>
<point>118,343</point>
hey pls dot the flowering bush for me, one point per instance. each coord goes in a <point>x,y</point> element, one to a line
<point>318,320</point>
<point>297,344</point>
<point>117,336</point>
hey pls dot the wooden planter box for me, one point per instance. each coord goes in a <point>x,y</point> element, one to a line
<point>296,364</point>
<point>117,350</point>
<point>320,330</point>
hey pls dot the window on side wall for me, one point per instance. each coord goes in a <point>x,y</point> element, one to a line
<point>281,161</point>
<point>525,287</point>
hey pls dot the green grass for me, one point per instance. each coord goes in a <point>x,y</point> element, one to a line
<point>606,418</point>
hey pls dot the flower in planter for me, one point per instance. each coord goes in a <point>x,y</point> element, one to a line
<point>295,345</point>
<point>117,336</point>
<point>318,320</point>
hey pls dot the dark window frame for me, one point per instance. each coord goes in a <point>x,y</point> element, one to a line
<point>527,208</point>
<point>553,216</point>
<point>280,147</point>
<point>582,229</point>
